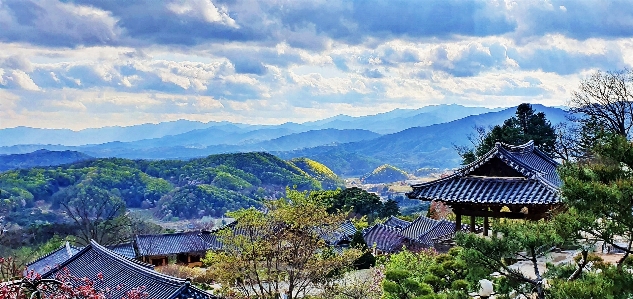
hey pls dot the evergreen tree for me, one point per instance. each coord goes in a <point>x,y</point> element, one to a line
<point>367,260</point>
<point>600,189</point>
<point>526,125</point>
<point>389,208</point>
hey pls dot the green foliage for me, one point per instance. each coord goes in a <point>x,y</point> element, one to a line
<point>196,201</point>
<point>398,284</point>
<point>389,208</point>
<point>526,125</point>
<point>329,180</point>
<point>600,190</point>
<point>283,244</point>
<point>429,275</point>
<point>238,180</point>
<point>357,202</point>
<point>367,260</point>
<point>385,174</point>
<point>521,238</point>
<point>605,281</point>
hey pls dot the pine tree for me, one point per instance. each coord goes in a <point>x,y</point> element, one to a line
<point>367,260</point>
<point>526,125</point>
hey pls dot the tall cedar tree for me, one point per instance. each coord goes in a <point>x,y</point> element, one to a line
<point>526,125</point>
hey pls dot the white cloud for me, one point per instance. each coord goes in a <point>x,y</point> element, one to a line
<point>18,79</point>
<point>204,10</point>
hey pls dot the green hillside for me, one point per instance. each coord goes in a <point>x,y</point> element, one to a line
<point>328,179</point>
<point>384,174</point>
<point>173,189</point>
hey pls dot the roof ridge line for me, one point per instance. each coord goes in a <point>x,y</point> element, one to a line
<point>63,246</point>
<point>136,266</point>
<point>64,263</point>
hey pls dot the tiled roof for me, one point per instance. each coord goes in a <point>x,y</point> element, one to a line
<point>439,230</point>
<point>211,240</point>
<point>539,183</point>
<point>45,263</point>
<point>396,222</point>
<point>384,238</point>
<point>418,227</point>
<point>167,244</point>
<point>423,231</point>
<point>124,249</point>
<point>121,275</point>
<point>342,233</point>
<point>348,228</point>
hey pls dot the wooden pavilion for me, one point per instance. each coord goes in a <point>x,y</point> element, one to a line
<point>518,182</point>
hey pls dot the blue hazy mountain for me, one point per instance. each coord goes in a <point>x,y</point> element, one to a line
<point>193,133</point>
<point>347,145</point>
<point>413,148</point>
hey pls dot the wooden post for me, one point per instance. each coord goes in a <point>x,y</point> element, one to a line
<point>486,226</point>
<point>458,220</point>
<point>472,224</point>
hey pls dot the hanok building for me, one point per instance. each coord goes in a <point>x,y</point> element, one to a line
<point>51,260</point>
<point>518,182</point>
<point>120,275</point>
<point>396,233</point>
<point>188,248</point>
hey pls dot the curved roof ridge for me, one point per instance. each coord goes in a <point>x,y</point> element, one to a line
<point>193,232</point>
<point>56,250</point>
<point>507,154</point>
<point>528,145</point>
<point>383,226</point>
<point>133,265</point>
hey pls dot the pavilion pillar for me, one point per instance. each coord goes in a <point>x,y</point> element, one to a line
<point>472,224</point>
<point>486,226</point>
<point>458,220</point>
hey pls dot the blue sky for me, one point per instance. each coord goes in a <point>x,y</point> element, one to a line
<point>93,63</point>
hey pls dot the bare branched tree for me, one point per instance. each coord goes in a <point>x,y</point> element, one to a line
<point>605,98</point>
<point>99,215</point>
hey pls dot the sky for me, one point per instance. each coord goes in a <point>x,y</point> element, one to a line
<point>94,63</point>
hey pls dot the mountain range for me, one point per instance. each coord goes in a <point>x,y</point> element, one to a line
<point>350,146</point>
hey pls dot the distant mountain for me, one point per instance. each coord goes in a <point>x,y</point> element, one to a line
<point>26,135</point>
<point>40,158</point>
<point>401,119</point>
<point>198,134</point>
<point>314,138</point>
<point>384,174</point>
<point>349,146</point>
<point>169,148</point>
<point>431,146</point>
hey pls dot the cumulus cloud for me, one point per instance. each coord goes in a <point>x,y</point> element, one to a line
<point>298,60</point>
<point>54,23</point>
<point>575,19</point>
<point>202,9</point>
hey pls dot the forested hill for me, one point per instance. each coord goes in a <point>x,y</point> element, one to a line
<point>40,158</point>
<point>173,189</point>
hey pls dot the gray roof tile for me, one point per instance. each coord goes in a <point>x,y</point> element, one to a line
<point>121,275</point>
<point>539,185</point>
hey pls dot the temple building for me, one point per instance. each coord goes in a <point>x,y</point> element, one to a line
<point>182,248</point>
<point>518,182</point>
<point>118,273</point>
